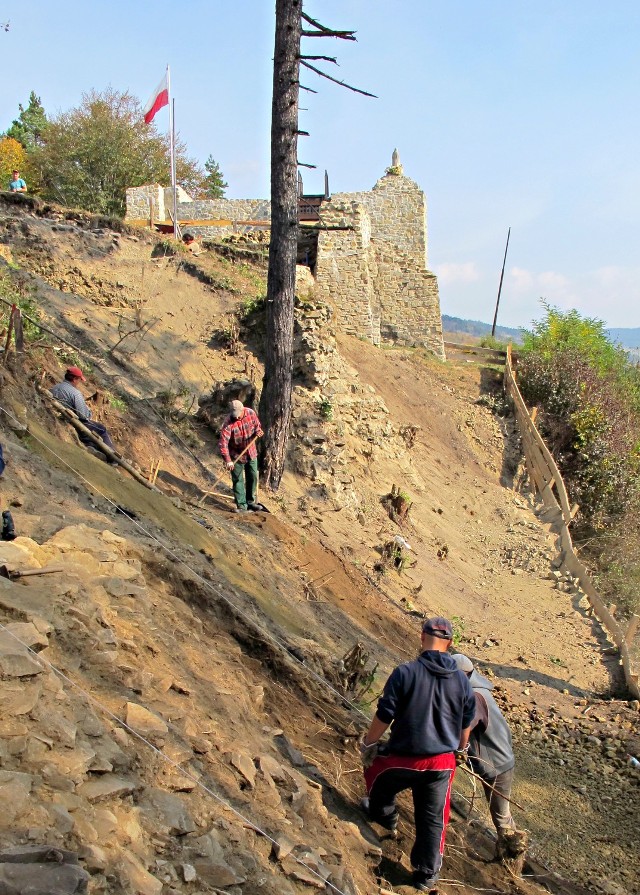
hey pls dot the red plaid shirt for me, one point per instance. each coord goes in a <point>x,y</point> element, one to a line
<point>236,435</point>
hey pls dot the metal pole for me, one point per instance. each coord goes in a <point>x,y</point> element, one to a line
<point>176,228</point>
<point>495,316</point>
<point>172,152</point>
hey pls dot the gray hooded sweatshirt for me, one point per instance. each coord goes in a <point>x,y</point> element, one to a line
<point>490,748</point>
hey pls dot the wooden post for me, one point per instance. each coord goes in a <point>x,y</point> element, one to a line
<point>632,628</point>
<point>9,334</point>
<point>18,331</point>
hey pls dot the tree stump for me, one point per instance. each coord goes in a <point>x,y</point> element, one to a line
<point>397,504</point>
<point>511,850</point>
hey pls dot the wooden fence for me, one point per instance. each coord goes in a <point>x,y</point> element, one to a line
<point>484,355</point>
<point>545,477</point>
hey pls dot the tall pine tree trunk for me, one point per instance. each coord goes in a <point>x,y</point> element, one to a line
<point>275,402</point>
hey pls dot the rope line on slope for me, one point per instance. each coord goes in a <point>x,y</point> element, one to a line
<point>207,584</point>
<point>174,764</point>
<point>216,590</point>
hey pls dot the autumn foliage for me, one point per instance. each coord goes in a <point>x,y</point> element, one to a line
<point>12,156</point>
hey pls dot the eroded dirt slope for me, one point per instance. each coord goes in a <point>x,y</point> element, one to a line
<point>305,575</point>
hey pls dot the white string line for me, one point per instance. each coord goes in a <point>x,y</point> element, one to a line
<point>207,584</point>
<point>216,590</point>
<point>40,659</point>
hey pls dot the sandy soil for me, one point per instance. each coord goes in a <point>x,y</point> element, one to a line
<point>546,653</point>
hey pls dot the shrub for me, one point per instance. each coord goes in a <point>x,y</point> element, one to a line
<point>325,408</point>
<point>588,397</point>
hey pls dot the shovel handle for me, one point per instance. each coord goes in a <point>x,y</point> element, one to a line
<point>217,481</point>
<point>26,573</point>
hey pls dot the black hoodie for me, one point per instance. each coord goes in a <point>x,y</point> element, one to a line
<point>428,703</point>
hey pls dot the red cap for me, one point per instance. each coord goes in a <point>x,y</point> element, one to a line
<point>76,371</point>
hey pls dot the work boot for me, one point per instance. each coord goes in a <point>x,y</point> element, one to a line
<point>422,883</point>
<point>241,510</point>
<point>254,506</point>
<point>388,822</point>
<point>8,528</point>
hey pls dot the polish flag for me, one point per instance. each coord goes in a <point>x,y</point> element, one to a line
<point>159,98</point>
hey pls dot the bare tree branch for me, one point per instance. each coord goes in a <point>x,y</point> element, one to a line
<point>336,81</point>
<point>326,58</point>
<point>302,133</point>
<point>308,89</point>
<point>305,165</point>
<point>343,35</point>
<point>323,31</point>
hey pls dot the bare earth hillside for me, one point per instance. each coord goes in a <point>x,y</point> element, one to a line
<point>219,639</point>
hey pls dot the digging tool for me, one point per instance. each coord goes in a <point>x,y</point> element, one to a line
<point>471,773</point>
<point>14,574</point>
<point>219,479</point>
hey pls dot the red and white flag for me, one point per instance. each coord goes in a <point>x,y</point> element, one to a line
<point>159,98</point>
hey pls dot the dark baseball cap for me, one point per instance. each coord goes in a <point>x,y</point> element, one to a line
<point>438,627</point>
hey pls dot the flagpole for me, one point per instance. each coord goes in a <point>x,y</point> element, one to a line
<point>172,151</point>
<point>173,172</point>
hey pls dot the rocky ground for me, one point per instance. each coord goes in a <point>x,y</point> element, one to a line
<point>211,636</point>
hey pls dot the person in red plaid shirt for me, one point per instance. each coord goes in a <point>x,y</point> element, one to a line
<point>240,455</point>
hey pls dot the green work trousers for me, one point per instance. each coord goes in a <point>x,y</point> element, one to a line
<point>241,473</point>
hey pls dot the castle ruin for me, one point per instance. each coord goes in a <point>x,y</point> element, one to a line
<point>367,251</point>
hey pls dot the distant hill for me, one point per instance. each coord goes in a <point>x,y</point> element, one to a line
<point>628,337</point>
<point>479,329</point>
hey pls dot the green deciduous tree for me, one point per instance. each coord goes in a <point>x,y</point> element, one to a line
<point>30,125</point>
<point>214,182</point>
<point>91,154</point>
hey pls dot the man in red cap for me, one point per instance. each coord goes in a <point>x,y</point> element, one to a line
<point>68,393</point>
<point>237,446</point>
<point>430,705</point>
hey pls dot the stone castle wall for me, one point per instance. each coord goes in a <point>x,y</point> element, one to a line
<point>236,211</point>
<point>138,203</point>
<point>409,303</point>
<point>344,268</point>
<point>371,264</point>
<point>397,210</point>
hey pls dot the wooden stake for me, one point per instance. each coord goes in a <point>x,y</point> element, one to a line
<point>9,333</point>
<point>17,331</point>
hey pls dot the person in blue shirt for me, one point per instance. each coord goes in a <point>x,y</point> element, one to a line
<point>430,706</point>
<point>17,184</point>
<point>68,394</point>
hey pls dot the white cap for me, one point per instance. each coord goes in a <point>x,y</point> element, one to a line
<point>464,663</point>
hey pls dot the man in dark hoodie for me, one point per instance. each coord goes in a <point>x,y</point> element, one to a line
<point>490,749</point>
<point>430,706</point>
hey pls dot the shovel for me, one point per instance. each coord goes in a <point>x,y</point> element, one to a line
<point>219,479</point>
<point>13,575</point>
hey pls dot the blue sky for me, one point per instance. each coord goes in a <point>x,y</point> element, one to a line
<point>507,113</point>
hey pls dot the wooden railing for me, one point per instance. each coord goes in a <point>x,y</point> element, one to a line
<point>487,355</point>
<point>545,477</point>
